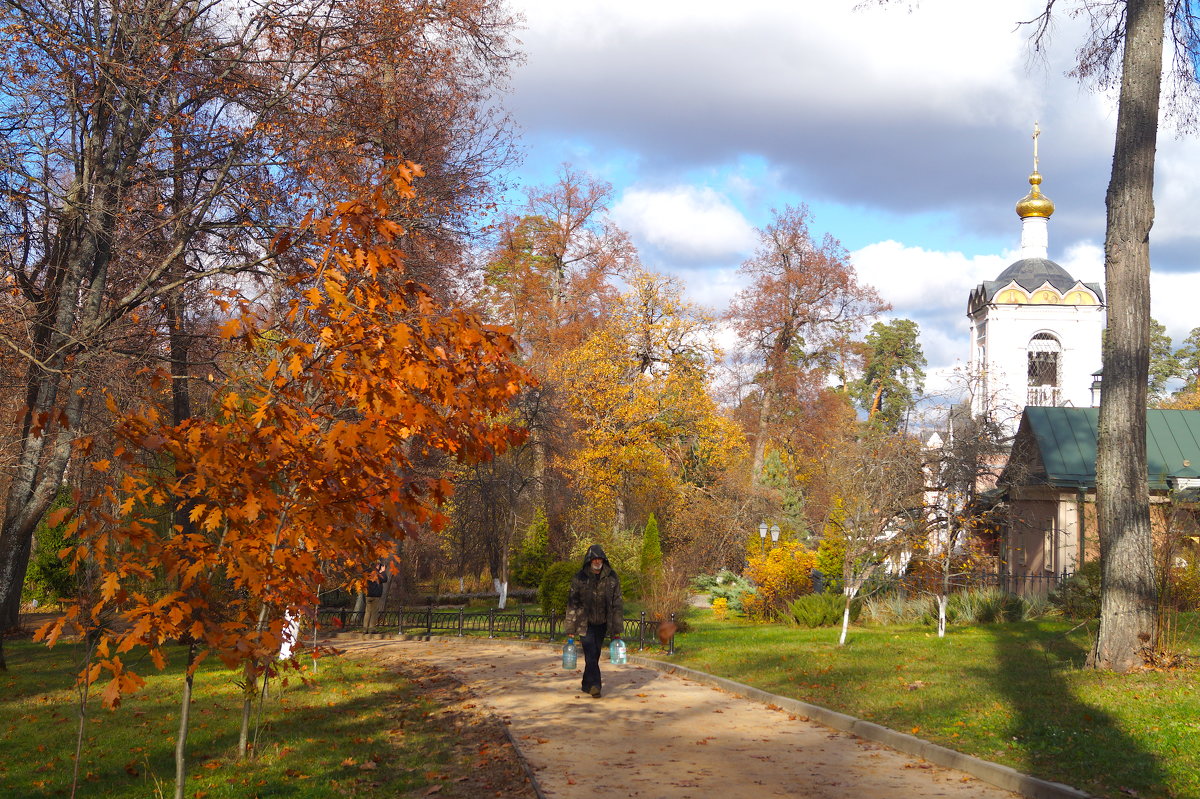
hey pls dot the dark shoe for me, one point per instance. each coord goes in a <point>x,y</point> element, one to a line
<point>594,691</point>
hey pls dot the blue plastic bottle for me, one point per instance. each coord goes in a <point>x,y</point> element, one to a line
<point>616,652</point>
<point>570,653</point>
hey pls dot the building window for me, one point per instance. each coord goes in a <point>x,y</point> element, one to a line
<point>1049,549</point>
<point>1045,370</point>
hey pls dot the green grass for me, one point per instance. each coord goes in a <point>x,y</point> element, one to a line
<point>1010,693</point>
<point>358,730</point>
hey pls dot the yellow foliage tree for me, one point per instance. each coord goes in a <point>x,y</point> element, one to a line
<point>781,574</point>
<point>638,394</point>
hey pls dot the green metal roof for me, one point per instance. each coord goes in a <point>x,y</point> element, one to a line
<point>1066,442</point>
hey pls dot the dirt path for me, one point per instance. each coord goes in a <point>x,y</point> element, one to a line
<point>665,737</point>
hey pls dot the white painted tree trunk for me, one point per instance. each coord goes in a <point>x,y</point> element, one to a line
<point>502,590</point>
<point>942,601</point>
<point>291,634</point>
<point>850,593</point>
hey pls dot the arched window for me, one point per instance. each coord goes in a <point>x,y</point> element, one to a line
<point>1045,370</point>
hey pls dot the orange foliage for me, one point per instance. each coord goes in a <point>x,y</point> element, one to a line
<point>782,574</point>
<point>316,460</point>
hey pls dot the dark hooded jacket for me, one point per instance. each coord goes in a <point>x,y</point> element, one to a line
<point>595,598</point>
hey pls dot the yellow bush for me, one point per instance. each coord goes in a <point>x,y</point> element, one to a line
<point>780,574</point>
<point>720,607</point>
<point>1184,590</point>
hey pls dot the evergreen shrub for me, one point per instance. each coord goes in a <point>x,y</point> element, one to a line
<point>726,585</point>
<point>533,557</point>
<point>48,577</point>
<point>821,610</point>
<point>556,586</point>
<point>1079,595</point>
<point>652,555</point>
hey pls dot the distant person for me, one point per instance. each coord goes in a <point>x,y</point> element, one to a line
<point>376,597</point>
<point>594,610</point>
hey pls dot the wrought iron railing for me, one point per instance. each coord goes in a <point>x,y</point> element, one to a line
<point>1050,396</point>
<point>458,621</point>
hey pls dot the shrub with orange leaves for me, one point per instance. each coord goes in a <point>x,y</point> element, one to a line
<point>781,574</point>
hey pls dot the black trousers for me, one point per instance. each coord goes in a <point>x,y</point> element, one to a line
<point>593,643</point>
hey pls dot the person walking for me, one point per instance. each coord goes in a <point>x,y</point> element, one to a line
<point>376,598</point>
<point>594,610</point>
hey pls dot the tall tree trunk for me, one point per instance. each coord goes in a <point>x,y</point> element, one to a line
<point>760,440</point>
<point>73,301</point>
<point>1128,595</point>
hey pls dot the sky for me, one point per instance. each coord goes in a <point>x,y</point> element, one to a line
<point>907,131</point>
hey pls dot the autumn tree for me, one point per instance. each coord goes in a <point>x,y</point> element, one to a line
<point>804,300</point>
<point>780,575</point>
<point>549,274</point>
<point>877,511</point>
<point>419,81</point>
<point>151,147</point>
<point>652,553</point>
<point>638,391</point>
<point>795,479</point>
<point>316,460</point>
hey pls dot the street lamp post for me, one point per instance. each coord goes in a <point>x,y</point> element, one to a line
<point>763,529</point>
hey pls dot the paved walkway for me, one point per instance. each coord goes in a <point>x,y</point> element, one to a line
<point>661,736</point>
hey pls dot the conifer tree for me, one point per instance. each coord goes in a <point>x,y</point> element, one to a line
<point>652,556</point>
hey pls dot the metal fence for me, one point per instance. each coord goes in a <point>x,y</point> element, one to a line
<point>1017,584</point>
<point>430,619</point>
<point>1027,584</point>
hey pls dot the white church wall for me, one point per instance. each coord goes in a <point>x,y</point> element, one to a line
<point>1009,330</point>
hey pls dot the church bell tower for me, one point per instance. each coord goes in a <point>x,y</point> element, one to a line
<point>1035,330</point>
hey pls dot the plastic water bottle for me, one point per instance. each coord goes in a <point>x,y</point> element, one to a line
<point>616,652</point>
<point>570,653</point>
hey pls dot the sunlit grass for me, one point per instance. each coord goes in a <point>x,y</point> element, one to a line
<point>1011,693</point>
<point>358,730</point>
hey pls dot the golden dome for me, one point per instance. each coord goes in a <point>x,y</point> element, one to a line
<point>1034,203</point>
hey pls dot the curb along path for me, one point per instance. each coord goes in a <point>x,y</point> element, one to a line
<point>669,736</point>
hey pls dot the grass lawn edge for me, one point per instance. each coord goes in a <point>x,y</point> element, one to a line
<point>992,773</point>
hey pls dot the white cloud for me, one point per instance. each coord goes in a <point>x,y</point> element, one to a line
<point>685,223</point>
<point>916,280</point>
<point>1084,261</point>
<point>1177,188</point>
<point>1173,302</point>
<point>713,288</point>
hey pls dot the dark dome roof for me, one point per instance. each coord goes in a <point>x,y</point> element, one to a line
<point>1033,272</point>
